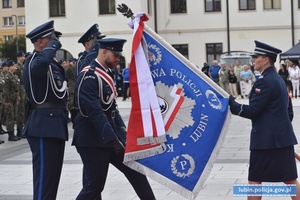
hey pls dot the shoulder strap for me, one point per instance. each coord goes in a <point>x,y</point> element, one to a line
<point>105,76</point>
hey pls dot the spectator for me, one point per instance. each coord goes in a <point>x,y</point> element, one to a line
<point>245,81</point>
<point>232,81</point>
<point>214,72</point>
<point>205,68</point>
<point>294,74</point>
<point>223,74</point>
<point>237,71</point>
<point>283,72</point>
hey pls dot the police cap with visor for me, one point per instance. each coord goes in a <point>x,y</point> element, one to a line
<point>113,44</point>
<point>42,31</point>
<point>90,34</point>
<point>262,49</point>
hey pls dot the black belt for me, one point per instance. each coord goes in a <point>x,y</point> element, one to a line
<point>109,114</point>
<point>48,105</point>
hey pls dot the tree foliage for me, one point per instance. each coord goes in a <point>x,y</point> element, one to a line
<point>8,49</point>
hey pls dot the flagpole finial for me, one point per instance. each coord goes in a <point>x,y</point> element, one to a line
<point>125,10</point>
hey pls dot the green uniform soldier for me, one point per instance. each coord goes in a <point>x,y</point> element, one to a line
<point>22,96</point>
<point>11,98</point>
<point>71,82</point>
<point>3,66</point>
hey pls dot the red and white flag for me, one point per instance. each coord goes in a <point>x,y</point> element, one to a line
<point>146,132</point>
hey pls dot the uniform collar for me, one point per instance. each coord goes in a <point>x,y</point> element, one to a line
<point>268,69</point>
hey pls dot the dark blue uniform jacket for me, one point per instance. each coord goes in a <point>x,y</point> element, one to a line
<point>98,129</point>
<point>268,110</point>
<point>45,122</point>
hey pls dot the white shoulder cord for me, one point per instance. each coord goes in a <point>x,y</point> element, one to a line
<point>30,83</point>
<point>110,101</point>
<point>55,88</point>
<point>77,66</point>
<point>78,95</point>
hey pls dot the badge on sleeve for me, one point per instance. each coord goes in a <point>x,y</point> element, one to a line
<point>257,90</point>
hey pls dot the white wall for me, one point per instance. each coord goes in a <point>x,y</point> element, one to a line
<point>195,28</point>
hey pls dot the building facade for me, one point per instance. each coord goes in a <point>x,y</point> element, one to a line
<point>200,29</point>
<point>12,15</point>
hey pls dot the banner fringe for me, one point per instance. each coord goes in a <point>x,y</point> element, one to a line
<point>190,195</point>
<point>144,153</point>
<point>213,156</point>
<point>162,180</point>
<point>151,140</point>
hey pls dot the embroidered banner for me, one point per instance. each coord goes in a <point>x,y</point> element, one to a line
<point>195,115</point>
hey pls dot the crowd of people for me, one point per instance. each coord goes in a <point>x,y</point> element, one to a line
<point>12,98</point>
<point>290,73</point>
<point>235,79</point>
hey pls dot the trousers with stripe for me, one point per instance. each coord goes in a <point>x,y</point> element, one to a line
<point>47,161</point>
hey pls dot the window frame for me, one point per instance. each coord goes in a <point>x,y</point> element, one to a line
<point>8,37</point>
<point>179,9</point>
<point>181,48</point>
<point>214,9</point>
<point>272,5</point>
<point>8,21</point>
<point>149,7</point>
<point>21,20</point>
<point>110,7</point>
<point>6,3</point>
<point>248,2</point>
<point>20,3</point>
<point>60,8</point>
<point>216,54</point>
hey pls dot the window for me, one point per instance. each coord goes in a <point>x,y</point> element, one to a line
<point>272,4</point>
<point>8,37</point>
<point>178,6</point>
<point>213,51</point>
<point>149,5</point>
<point>20,3</point>
<point>247,5</point>
<point>212,5</point>
<point>6,3</point>
<point>21,20</point>
<point>107,7</point>
<point>57,8</point>
<point>8,21</point>
<point>183,49</point>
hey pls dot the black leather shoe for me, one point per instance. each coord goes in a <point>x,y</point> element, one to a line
<point>13,139</point>
<point>1,141</point>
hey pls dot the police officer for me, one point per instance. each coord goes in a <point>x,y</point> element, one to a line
<point>99,131</point>
<point>21,104</point>
<point>11,95</point>
<point>46,125</point>
<point>272,136</point>
<point>89,41</point>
